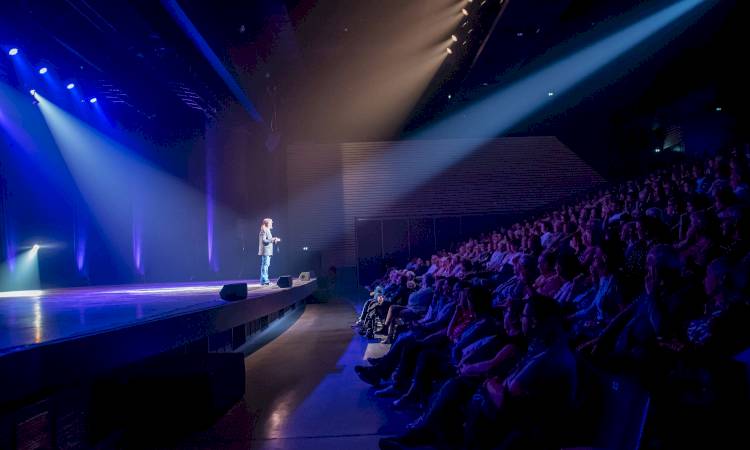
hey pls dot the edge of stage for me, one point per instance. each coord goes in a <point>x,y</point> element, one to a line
<point>59,337</point>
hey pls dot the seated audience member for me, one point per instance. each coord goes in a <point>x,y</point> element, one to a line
<point>415,308</point>
<point>631,339</point>
<point>434,266</point>
<point>568,270</point>
<point>703,248</point>
<point>634,261</point>
<point>528,407</point>
<point>739,184</point>
<point>443,419</point>
<point>439,360</point>
<point>723,328</point>
<point>548,282</point>
<point>606,302</point>
<point>409,343</point>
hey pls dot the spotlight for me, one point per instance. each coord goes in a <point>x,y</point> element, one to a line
<point>464,12</point>
<point>42,71</point>
<point>32,92</point>
<point>92,100</point>
<point>70,86</point>
<point>657,150</point>
<point>304,249</point>
<point>13,51</point>
<point>718,108</point>
<point>449,51</point>
<point>35,247</point>
<point>550,93</point>
<point>454,38</point>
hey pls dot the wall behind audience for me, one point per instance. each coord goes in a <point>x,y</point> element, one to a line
<point>329,190</point>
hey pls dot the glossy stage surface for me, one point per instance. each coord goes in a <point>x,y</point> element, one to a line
<point>29,318</point>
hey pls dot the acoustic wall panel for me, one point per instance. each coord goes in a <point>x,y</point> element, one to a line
<point>332,185</point>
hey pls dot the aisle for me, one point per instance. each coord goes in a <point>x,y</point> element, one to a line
<point>302,392</point>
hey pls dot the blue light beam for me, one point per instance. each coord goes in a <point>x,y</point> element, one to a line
<point>182,19</point>
<point>502,110</point>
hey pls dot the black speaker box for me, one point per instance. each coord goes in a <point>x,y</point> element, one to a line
<point>233,292</point>
<point>285,281</point>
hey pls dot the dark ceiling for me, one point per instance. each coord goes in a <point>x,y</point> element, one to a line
<point>134,55</point>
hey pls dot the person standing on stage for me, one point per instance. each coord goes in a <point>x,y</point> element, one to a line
<point>265,249</point>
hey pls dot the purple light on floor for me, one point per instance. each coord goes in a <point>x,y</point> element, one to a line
<point>137,242</point>
<point>80,246</point>
<point>213,260</point>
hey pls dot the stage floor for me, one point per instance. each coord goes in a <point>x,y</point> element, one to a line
<point>31,318</point>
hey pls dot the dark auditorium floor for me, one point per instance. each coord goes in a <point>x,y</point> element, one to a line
<point>302,392</point>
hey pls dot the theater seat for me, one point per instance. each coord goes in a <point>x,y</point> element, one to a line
<point>611,413</point>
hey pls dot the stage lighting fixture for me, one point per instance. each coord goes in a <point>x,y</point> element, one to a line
<point>657,150</point>
<point>454,38</point>
<point>13,51</point>
<point>92,100</point>
<point>32,92</point>
<point>35,247</point>
<point>304,249</point>
<point>464,12</point>
<point>550,94</point>
<point>718,108</point>
<point>449,51</point>
<point>70,86</point>
<point>42,71</point>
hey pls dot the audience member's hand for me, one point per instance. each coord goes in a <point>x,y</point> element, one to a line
<point>494,387</point>
<point>469,370</point>
<point>672,345</point>
<point>589,346</point>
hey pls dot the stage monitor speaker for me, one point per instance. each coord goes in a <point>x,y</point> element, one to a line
<point>232,292</point>
<point>306,276</point>
<point>285,281</point>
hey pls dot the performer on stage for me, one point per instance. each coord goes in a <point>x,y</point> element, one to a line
<point>265,249</point>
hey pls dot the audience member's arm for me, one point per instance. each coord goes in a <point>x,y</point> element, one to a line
<point>434,336</point>
<point>483,367</point>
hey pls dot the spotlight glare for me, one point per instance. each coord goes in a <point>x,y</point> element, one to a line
<point>718,108</point>
<point>13,51</point>
<point>550,93</point>
<point>70,86</point>
<point>657,150</point>
<point>464,12</point>
<point>43,70</point>
<point>35,247</point>
<point>454,38</point>
<point>92,100</point>
<point>449,51</point>
<point>32,92</point>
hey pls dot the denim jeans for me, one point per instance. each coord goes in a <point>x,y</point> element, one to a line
<point>265,262</point>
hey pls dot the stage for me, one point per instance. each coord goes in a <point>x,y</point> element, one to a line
<point>55,337</point>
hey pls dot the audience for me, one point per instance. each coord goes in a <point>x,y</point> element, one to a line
<point>488,349</point>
